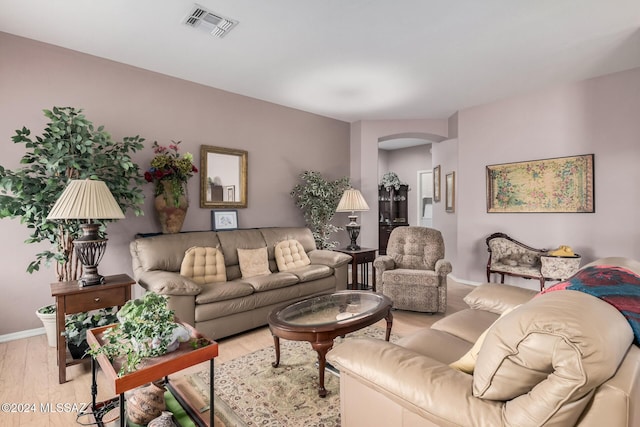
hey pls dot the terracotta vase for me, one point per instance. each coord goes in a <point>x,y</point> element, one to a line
<point>145,403</point>
<point>171,211</point>
<point>164,420</point>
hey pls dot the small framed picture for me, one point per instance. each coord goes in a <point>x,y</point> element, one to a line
<point>436,183</point>
<point>450,192</point>
<point>224,220</point>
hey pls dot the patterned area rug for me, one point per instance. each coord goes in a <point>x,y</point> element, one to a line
<point>250,392</point>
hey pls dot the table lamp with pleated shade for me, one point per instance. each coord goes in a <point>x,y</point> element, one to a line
<point>352,201</point>
<point>88,200</point>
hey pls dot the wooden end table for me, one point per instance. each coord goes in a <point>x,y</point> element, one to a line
<point>72,298</point>
<point>361,257</point>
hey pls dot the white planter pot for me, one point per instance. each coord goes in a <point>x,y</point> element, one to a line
<point>49,322</point>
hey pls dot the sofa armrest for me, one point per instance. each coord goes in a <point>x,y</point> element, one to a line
<point>497,298</point>
<point>420,384</point>
<point>329,258</point>
<point>168,283</point>
<point>443,267</point>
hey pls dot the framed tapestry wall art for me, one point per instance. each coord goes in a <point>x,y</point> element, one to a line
<point>562,184</point>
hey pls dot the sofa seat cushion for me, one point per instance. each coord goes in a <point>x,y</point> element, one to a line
<point>466,324</point>
<point>271,281</point>
<point>523,270</point>
<point>312,272</point>
<point>222,291</point>
<point>438,345</point>
<point>403,276</point>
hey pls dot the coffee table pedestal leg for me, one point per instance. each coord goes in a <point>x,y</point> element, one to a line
<point>322,348</point>
<point>276,345</point>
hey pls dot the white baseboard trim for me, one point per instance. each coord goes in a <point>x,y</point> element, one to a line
<point>465,282</point>
<point>21,334</point>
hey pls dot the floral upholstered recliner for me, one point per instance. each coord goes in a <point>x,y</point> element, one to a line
<point>414,272</point>
<point>508,256</point>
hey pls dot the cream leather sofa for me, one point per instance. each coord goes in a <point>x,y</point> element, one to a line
<point>225,308</point>
<point>560,359</point>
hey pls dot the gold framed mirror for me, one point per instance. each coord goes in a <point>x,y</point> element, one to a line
<point>223,177</point>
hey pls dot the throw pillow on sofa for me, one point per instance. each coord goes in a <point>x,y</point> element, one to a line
<point>253,262</point>
<point>290,254</point>
<point>203,265</point>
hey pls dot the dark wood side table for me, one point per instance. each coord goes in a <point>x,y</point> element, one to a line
<point>361,257</point>
<point>72,298</point>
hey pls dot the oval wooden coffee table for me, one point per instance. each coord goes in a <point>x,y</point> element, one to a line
<point>321,319</point>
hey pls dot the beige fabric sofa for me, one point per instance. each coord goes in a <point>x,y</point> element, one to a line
<point>564,358</point>
<point>226,308</point>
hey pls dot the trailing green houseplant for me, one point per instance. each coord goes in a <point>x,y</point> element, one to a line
<point>77,324</point>
<point>318,200</point>
<point>147,328</point>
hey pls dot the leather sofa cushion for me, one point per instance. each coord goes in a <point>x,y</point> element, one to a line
<point>203,265</point>
<point>290,254</point>
<point>165,252</point>
<point>253,262</point>
<point>271,281</point>
<point>466,324</point>
<point>212,292</point>
<point>312,272</point>
<point>497,298</point>
<point>551,352</point>
<point>438,345</point>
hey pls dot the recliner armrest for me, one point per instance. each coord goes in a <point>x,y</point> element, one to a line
<point>443,267</point>
<point>384,262</point>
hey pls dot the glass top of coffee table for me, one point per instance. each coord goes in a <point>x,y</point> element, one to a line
<point>329,309</point>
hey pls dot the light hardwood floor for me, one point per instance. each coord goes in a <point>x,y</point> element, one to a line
<point>29,375</point>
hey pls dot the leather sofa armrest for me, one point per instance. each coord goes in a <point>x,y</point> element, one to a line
<point>420,384</point>
<point>443,267</point>
<point>329,258</point>
<point>168,283</point>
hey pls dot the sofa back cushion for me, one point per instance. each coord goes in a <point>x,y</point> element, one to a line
<point>166,251</point>
<point>290,254</point>
<point>231,241</point>
<point>547,357</point>
<point>203,265</point>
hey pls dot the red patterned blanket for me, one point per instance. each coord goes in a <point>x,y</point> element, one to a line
<point>616,285</point>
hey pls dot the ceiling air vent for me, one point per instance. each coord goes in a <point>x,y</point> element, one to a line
<point>210,22</point>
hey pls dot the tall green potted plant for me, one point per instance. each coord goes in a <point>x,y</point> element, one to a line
<point>70,148</point>
<point>318,200</point>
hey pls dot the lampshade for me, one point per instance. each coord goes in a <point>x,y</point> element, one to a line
<point>352,201</point>
<point>86,199</point>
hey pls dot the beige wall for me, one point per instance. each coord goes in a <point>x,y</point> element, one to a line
<point>281,142</point>
<point>599,116</point>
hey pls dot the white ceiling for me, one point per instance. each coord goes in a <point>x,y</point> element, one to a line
<point>352,59</point>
